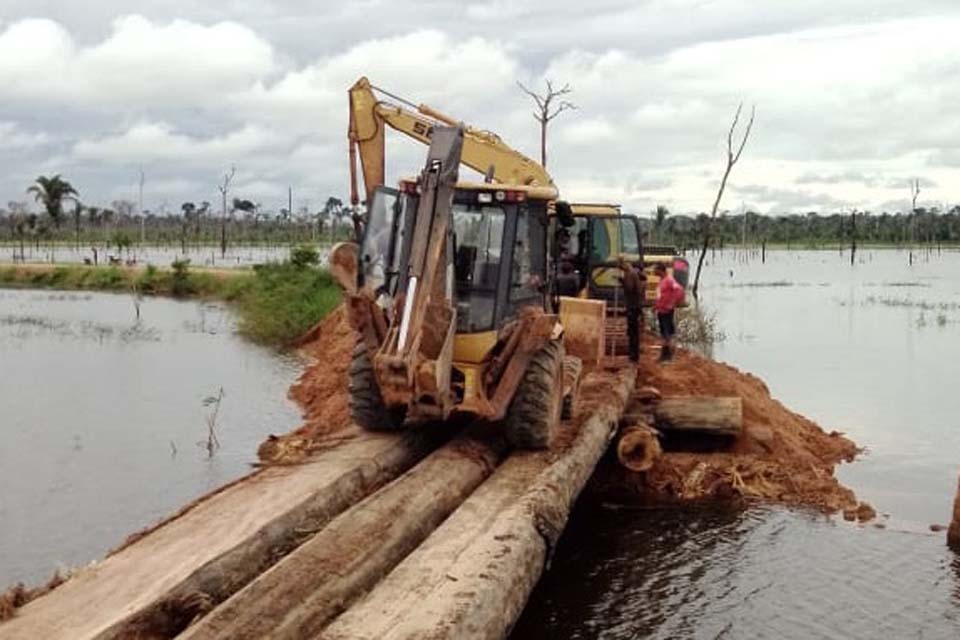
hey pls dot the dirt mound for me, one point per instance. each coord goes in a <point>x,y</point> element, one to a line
<point>321,391</point>
<point>781,456</point>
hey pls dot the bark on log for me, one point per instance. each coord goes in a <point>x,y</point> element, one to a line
<point>473,575</point>
<point>638,447</point>
<point>318,580</point>
<point>721,416</point>
<point>953,531</point>
<point>153,587</point>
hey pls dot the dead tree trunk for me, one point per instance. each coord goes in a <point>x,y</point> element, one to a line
<point>853,236</point>
<point>914,193</point>
<point>546,111</point>
<point>223,188</point>
<point>732,159</point>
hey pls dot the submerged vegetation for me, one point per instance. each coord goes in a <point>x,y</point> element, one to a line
<point>276,303</point>
<point>696,328</point>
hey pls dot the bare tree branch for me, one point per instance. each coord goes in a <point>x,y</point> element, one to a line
<point>732,159</point>
<point>547,110</point>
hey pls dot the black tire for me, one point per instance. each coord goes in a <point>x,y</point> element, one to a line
<point>366,403</point>
<point>534,414</point>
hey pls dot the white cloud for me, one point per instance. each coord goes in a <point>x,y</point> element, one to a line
<point>14,138</point>
<point>850,102</point>
<point>438,69</point>
<point>142,62</point>
<point>151,142</point>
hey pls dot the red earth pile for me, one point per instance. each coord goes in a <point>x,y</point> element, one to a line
<point>781,455</point>
<point>322,393</point>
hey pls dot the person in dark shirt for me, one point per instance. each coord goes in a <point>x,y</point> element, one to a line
<point>568,282</point>
<point>634,287</point>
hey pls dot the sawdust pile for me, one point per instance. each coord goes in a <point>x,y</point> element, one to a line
<point>781,456</point>
<point>321,392</point>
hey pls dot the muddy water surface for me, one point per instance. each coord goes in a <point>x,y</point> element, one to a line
<point>871,350</point>
<point>101,415</point>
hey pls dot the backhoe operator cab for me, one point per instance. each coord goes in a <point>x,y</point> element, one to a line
<point>499,262</point>
<point>507,359</point>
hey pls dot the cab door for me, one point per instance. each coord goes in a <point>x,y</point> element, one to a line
<point>610,238</point>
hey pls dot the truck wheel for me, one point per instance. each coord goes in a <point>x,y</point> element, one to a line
<point>366,403</point>
<point>534,414</point>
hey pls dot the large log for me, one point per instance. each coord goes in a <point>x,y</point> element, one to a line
<point>720,416</point>
<point>471,578</point>
<point>153,587</point>
<point>317,581</point>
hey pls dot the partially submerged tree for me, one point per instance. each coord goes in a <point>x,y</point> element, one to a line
<point>914,194</point>
<point>549,106</point>
<point>223,188</point>
<point>732,158</point>
<point>51,192</point>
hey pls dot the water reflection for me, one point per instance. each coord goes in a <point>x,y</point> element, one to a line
<point>859,350</point>
<point>759,573</point>
<point>101,414</point>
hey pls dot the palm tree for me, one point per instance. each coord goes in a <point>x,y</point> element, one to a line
<point>51,192</point>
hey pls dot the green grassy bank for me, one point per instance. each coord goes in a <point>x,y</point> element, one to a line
<point>275,303</point>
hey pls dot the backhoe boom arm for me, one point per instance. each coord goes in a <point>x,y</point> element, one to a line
<point>483,151</point>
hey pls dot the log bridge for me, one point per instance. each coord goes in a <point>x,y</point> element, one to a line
<point>406,535</point>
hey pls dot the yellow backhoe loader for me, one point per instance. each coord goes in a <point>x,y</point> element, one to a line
<point>593,244</point>
<point>449,293</point>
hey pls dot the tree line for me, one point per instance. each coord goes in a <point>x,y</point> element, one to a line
<point>62,217</point>
<point>807,230</point>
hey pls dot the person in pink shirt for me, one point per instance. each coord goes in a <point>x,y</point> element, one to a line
<point>669,295</point>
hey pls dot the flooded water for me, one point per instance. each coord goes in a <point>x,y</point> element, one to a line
<point>869,349</point>
<point>101,416</point>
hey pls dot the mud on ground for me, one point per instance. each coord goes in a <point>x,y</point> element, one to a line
<point>780,457</point>
<point>321,391</point>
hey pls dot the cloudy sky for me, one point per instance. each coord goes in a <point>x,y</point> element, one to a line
<point>853,98</point>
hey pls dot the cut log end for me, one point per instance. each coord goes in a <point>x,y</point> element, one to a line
<point>638,448</point>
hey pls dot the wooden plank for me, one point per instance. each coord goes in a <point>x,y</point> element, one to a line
<point>584,323</point>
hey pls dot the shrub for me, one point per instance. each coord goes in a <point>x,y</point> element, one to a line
<point>304,255</point>
<point>180,284</point>
<point>147,282</point>
<point>281,302</point>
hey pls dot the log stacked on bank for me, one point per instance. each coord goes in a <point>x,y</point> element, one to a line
<point>700,414</point>
<point>155,586</point>
<point>298,596</point>
<point>471,578</point>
